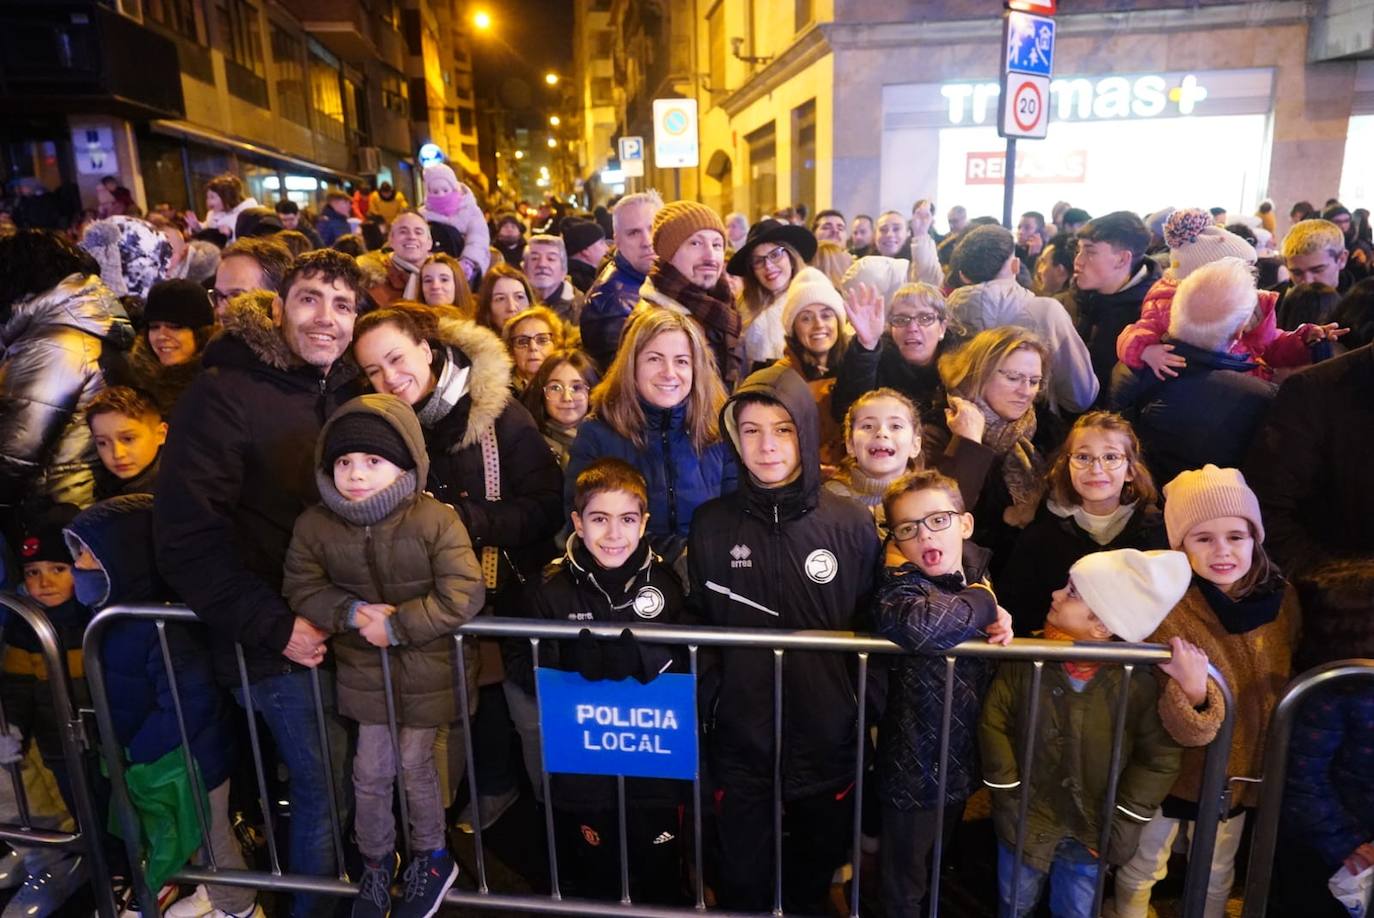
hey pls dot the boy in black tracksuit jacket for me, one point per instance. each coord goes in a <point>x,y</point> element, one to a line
<point>780,553</point>
<point>610,574</point>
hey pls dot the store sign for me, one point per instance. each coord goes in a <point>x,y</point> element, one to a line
<point>1082,99</point>
<point>1037,166</point>
<point>618,727</point>
<point>95,151</point>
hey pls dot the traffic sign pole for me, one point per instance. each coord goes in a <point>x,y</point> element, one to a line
<point>1009,183</point>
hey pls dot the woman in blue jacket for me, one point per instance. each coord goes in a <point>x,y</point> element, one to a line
<point>658,409</point>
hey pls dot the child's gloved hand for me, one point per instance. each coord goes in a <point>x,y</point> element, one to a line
<point>623,659</point>
<point>587,657</point>
<point>11,746</point>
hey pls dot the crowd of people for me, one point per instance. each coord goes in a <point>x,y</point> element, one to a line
<point>1089,429</point>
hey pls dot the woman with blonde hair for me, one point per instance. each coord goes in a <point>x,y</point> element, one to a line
<point>994,387</point>
<point>658,408</point>
<point>531,335</point>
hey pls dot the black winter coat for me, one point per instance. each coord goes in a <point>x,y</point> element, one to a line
<point>575,589</point>
<point>1208,413</point>
<point>793,557</point>
<point>1048,547</point>
<point>864,370</point>
<point>237,470</point>
<point>1101,317</point>
<point>925,617</point>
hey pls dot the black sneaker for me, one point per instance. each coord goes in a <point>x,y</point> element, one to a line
<point>428,877</point>
<point>374,892</point>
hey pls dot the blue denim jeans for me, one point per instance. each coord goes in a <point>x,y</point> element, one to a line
<point>287,704</point>
<point>1072,875</point>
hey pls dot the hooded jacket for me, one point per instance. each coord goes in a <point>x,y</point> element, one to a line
<point>236,472</point>
<point>1005,302</point>
<point>522,523</point>
<point>119,533</point>
<point>332,225</point>
<point>1208,413</point>
<point>792,557</point>
<point>576,589</point>
<point>608,306</point>
<point>417,558</point>
<point>53,350</point>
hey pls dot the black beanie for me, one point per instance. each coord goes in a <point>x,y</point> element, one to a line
<point>362,432</point>
<point>578,234</point>
<point>179,302</point>
<point>43,540</point>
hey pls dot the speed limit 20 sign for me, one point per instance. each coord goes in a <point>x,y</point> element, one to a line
<point>1025,106</point>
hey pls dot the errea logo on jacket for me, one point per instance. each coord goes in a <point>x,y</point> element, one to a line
<point>740,556</point>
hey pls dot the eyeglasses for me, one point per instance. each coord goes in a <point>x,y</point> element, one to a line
<point>575,391</point>
<point>775,257</point>
<point>922,319</point>
<point>525,342</point>
<point>938,521</point>
<point>218,298</point>
<point>1110,462</point>
<point>1017,379</point>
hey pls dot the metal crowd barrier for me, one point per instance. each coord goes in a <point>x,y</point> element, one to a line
<point>87,839</point>
<point>1266,830</point>
<point>1129,656</point>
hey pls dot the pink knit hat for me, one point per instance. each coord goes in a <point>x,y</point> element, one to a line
<point>1207,493</point>
<point>1194,240</point>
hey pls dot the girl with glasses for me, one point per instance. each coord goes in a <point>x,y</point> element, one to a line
<point>1101,497</point>
<point>559,396</point>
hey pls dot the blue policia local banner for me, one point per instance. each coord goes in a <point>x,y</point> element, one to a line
<point>618,727</point>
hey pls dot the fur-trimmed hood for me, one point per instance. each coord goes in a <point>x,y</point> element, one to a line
<point>488,384</point>
<point>164,384</point>
<point>244,320</point>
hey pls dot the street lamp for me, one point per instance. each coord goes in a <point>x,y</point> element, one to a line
<point>555,120</point>
<point>481,20</point>
<point>551,78</point>
<point>552,143</point>
<point>519,154</point>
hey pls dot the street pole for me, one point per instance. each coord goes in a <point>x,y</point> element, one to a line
<point>1008,182</point>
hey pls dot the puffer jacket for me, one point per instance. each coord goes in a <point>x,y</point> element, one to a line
<point>1208,413</point>
<point>608,306</point>
<point>1005,302</point>
<point>679,478</point>
<point>1265,341</point>
<point>119,533</point>
<point>925,617</point>
<point>1072,759</point>
<point>235,474</point>
<point>417,558</point>
<point>792,557</point>
<point>1327,801</point>
<point>53,348</point>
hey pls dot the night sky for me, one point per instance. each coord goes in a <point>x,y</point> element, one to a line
<point>527,39</point>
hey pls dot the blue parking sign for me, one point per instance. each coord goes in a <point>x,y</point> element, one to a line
<point>1029,44</point>
<point>618,727</point>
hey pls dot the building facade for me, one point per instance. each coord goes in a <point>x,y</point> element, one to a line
<point>294,96</point>
<point>868,105</point>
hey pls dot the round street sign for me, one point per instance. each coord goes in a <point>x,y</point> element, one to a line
<point>1028,107</point>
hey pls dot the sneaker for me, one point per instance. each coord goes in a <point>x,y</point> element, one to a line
<point>48,890</point>
<point>255,912</point>
<point>196,905</point>
<point>374,892</point>
<point>12,871</point>
<point>427,878</point>
<point>491,807</point>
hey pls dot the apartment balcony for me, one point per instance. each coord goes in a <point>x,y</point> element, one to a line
<point>80,57</point>
<point>344,28</point>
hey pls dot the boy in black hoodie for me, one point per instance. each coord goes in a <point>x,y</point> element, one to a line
<point>610,574</point>
<point>781,553</point>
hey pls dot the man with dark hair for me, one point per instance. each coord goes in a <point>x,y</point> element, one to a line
<point>1073,220</point>
<point>1030,236</point>
<point>1054,267</point>
<point>290,214</point>
<point>829,226</point>
<point>990,297</point>
<point>249,264</point>
<point>861,236</point>
<point>238,471</point>
<point>1111,277</point>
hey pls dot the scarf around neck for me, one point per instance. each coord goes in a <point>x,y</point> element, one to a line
<point>1083,672</point>
<point>408,274</point>
<point>713,308</point>
<point>450,388</point>
<point>370,510</point>
<point>1023,468</point>
<point>1238,616</point>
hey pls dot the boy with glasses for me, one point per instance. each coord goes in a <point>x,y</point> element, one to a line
<point>932,595</point>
